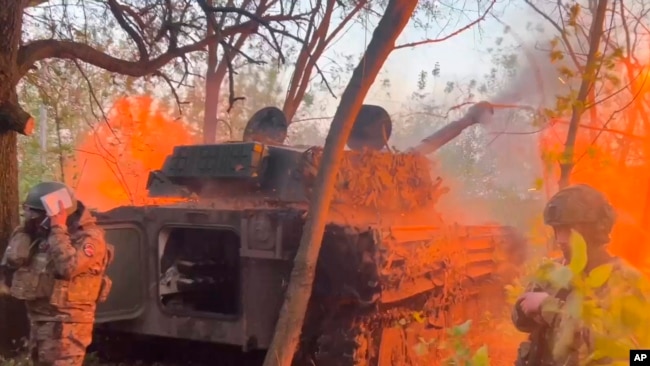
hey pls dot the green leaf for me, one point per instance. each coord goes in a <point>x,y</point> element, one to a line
<point>574,305</point>
<point>462,329</point>
<point>599,275</point>
<point>560,277</point>
<point>578,253</point>
<point>591,151</point>
<point>564,339</point>
<point>421,349</point>
<point>481,357</point>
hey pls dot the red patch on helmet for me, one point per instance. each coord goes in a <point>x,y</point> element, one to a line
<point>89,250</point>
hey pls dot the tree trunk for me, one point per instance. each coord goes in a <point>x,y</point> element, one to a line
<point>588,82</point>
<point>12,313</point>
<point>13,317</point>
<point>315,38</point>
<point>292,315</point>
<point>211,102</point>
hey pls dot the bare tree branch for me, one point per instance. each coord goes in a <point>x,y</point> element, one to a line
<point>33,3</point>
<point>257,19</point>
<point>562,33</point>
<point>453,34</point>
<point>119,16</point>
<point>38,50</point>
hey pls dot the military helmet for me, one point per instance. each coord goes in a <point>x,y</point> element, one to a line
<point>33,199</point>
<point>581,204</point>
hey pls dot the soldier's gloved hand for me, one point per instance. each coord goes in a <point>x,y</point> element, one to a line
<point>479,110</point>
<point>531,302</point>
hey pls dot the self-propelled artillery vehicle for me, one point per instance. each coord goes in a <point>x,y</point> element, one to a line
<point>213,265</point>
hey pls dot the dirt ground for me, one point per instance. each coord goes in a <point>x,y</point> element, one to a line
<point>495,331</point>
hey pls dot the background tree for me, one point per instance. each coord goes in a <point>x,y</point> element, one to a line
<point>589,69</point>
<point>328,21</point>
<point>611,138</point>
<point>237,48</point>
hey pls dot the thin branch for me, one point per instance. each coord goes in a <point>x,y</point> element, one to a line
<point>33,3</point>
<point>39,50</point>
<point>451,35</point>
<point>231,82</point>
<point>258,19</point>
<point>566,41</point>
<point>324,80</point>
<point>173,90</point>
<point>91,91</point>
<point>610,119</point>
<point>119,16</point>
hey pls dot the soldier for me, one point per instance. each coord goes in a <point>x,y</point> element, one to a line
<point>587,211</point>
<point>58,265</point>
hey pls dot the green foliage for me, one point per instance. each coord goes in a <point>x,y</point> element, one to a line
<point>562,53</point>
<point>462,354</point>
<point>609,301</point>
<point>456,343</point>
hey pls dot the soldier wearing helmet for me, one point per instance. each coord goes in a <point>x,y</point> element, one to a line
<point>585,210</point>
<point>582,209</point>
<point>58,265</point>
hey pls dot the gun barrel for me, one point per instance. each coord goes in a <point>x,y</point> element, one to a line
<point>441,137</point>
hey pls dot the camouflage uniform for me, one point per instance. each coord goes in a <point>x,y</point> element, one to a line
<point>61,280</point>
<point>578,206</point>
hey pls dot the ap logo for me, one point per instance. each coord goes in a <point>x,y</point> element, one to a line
<point>639,357</point>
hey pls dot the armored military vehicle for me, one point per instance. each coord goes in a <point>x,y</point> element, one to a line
<point>212,263</point>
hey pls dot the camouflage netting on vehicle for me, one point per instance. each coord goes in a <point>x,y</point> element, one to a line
<point>381,180</point>
<point>409,262</point>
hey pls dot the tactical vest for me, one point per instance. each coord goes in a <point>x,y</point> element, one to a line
<point>18,250</point>
<point>36,281</point>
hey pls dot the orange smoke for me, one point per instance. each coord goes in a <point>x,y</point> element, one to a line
<point>612,154</point>
<point>112,162</point>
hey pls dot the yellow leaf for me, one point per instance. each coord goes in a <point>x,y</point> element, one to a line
<point>418,316</point>
<point>599,275</point>
<point>578,253</point>
<point>611,348</point>
<point>633,312</point>
<point>591,311</point>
